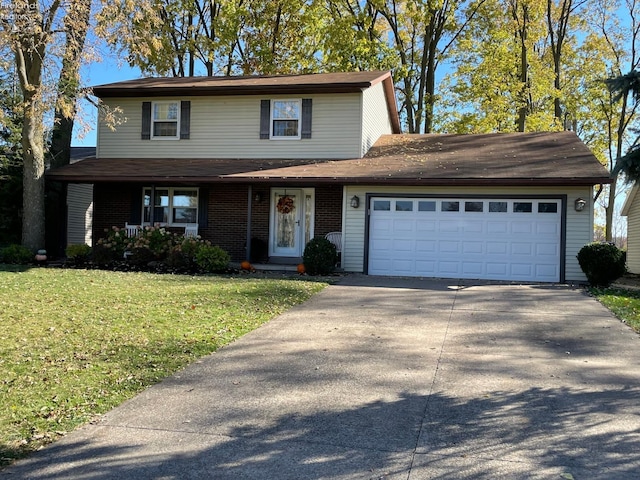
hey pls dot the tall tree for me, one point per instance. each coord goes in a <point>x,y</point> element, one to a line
<point>625,87</point>
<point>558,25</point>
<point>28,30</point>
<point>622,40</point>
<point>500,80</point>
<point>76,26</point>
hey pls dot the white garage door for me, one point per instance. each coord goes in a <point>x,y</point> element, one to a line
<point>495,239</point>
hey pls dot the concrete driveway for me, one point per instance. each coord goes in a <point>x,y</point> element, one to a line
<point>387,378</point>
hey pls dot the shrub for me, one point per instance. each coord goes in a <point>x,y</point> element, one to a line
<point>112,246</point>
<point>16,254</point>
<point>319,256</point>
<point>212,258</point>
<point>78,253</point>
<point>602,263</point>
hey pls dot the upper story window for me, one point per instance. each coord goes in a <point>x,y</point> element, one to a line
<point>165,119</point>
<point>285,119</point>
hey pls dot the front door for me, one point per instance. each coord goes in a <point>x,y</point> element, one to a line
<point>291,222</point>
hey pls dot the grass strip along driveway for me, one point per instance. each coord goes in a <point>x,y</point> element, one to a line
<point>75,343</point>
<point>625,304</point>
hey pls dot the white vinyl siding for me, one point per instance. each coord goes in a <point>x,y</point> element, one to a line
<point>579,225</point>
<point>633,235</point>
<point>375,117</point>
<point>79,214</point>
<point>229,127</point>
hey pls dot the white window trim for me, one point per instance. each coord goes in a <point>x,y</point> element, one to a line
<point>171,223</point>
<point>153,108</point>
<point>271,119</point>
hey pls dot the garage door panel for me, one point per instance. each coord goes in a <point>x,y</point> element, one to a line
<point>426,268</point>
<point>547,249</point>
<point>381,225</point>
<point>473,247</point>
<point>521,248</point>
<point>404,246</point>
<point>404,267</point>
<point>425,247</point>
<point>452,226</point>
<point>521,270</point>
<point>547,271</point>
<point>425,226</point>
<point>500,227</point>
<point>473,227</point>
<point>449,268</point>
<point>547,228</point>
<point>497,248</point>
<point>496,239</point>
<point>472,268</point>
<point>497,270</point>
<point>403,225</point>
<point>522,228</point>
<point>447,246</point>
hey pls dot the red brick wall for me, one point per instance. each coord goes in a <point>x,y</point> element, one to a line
<point>111,206</point>
<point>227,213</point>
<point>328,210</point>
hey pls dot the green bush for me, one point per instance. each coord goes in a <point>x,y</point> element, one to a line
<point>78,253</point>
<point>319,257</point>
<point>602,263</point>
<point>111,247</point>
<point>212,258</point>
<point>16,254</point>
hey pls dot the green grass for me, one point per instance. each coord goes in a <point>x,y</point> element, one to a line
<point>75,343</point>
<point>625,304</point>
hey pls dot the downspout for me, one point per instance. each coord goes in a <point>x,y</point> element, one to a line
<point>249,207</point>
<point>600,188</point>
<point>152,207</point>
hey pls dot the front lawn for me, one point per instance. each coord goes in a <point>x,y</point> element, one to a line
<point>625,304</point>
<point>75,343</point>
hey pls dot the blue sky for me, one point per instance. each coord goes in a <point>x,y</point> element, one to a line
<point>97,73</point>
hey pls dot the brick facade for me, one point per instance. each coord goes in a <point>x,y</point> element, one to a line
<point>227,213</point>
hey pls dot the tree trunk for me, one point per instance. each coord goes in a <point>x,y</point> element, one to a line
<point>524,67</point>
<point>76,24</point>
<point>33,220</point>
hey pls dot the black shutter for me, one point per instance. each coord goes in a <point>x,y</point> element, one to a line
<point>135,218</point>
<point>146,121</point>
<point>306,118</point>
<point>185,119</point>
<point>203,207</point>
<point>265,118</point>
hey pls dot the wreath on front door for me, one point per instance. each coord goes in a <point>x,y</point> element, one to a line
<point>285,204</point>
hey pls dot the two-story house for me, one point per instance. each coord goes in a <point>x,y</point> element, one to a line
<point>267,163</point>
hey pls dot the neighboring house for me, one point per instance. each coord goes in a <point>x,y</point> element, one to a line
<point>80,203</point>
<point>631,210</point>
<point>233,154</point>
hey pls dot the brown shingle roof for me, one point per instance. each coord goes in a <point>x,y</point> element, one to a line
<point>345,82</point>
<point>493,159</point>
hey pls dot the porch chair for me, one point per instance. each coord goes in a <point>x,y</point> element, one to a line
<point>191,230</point>
<point>132,230</point>
<point>336,239</point>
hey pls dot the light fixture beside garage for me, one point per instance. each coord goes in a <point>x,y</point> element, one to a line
<point>355,201</point>
<point>580,204</point>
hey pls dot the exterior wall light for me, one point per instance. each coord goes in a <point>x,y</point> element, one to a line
<point>580,204</point>
<point>355,201</point>
<point>258,197</point>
